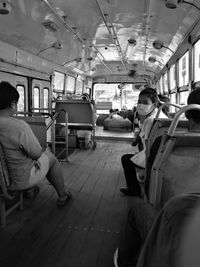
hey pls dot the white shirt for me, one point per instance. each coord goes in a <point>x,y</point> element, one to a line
<point>140,157</point>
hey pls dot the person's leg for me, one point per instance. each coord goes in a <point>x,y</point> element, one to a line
<point>133,185</point>
<point>55,175</point>
<point>139,221</point>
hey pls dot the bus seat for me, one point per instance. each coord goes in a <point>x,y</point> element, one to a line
<point>7,197</point>
<point>76,115</point>
<point>38,126</point>
<point>176,167</point>
<point>160,126</point>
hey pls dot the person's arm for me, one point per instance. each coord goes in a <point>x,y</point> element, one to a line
<point>29,143</point>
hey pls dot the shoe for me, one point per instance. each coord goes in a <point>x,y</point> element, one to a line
<point>115,257</point>
<point>61,202</point>
<point>126,191</point>
<point>32,192</point>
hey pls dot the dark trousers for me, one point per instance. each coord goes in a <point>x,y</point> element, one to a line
<point>130,174</point>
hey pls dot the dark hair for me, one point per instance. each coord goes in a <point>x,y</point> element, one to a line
<point>163,99</point>
<point>150,93</point>
<point>194,98</point>
<point>8,94</point>
<point>86,96</point>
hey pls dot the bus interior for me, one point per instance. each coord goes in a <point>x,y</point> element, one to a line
<point>77,64</point>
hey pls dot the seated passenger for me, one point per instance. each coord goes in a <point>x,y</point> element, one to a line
<point>160,236</point>
<point>27,163</point>
<point>164,99</point>
<point>135,163</point>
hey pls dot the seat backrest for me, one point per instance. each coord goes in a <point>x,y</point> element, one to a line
<point>38,126</point>
<point>161,126</point>
<point>176,168</point>
<point>79,111</point>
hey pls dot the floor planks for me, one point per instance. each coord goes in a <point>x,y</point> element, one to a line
<point>86,231</point>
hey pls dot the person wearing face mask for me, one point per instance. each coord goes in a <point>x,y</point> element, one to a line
<point>134,164</point>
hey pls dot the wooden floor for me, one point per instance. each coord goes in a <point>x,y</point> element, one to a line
<point>85,233</point>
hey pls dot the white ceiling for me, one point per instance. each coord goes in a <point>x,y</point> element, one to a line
<point>82,32</point>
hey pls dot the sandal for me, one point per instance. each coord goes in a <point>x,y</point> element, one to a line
<point>63,202</point>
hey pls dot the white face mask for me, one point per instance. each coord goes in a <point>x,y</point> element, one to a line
<point>144,110</point>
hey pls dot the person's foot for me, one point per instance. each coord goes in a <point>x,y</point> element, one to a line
<point>62,201</point>
<point>126,191</point>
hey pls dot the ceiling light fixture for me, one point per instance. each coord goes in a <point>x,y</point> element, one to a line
<point>172,4</point>
<point>50,25</point>
<point>77,59</point>
<point>132,41</point>
<point>5,7</point>
<point>153,60</point>
<point>159,44</point>
<point>56,45</point>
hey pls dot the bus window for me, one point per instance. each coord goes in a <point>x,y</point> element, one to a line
<point>58,82</point>
<point>172,78</point>
<point>36,98</point>
<point>173,101</point>
<point>46,97</point>
<point>165,83</point>
<point>70,85</point>
<point>21,102</point>
<point>79,86</point>
<point>125,98</point>
<point>161,85</point>
<point>183,97</point>
<point>197,61</point>
<point>183,70</point>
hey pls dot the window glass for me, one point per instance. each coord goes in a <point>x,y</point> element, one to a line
<point>165,83</point>
<point>46,97</point>
<point>158,87</point>
<point>79,86</point>
<point>21,102</point>
<point>70,87</point>
<point>172,80</point>
<point>183,97</point>
<point>197,61</point>
<point>36,98</point>
<point>124,98</point>
<point>183,69</point>
<point>161,85</point>
<point>58,82</point>
<point>173,101</point>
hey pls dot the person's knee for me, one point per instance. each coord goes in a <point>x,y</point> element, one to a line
<point>51,157</point>
<point>125,158</point>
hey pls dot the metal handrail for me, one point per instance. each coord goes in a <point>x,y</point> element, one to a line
<point>176,118</point>
<point>166,105</point>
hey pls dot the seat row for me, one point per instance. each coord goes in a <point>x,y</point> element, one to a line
<point>172,158</point>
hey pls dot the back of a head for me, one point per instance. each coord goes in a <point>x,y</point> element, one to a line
<point>163,99</point>
<point>86,97</point>
<point>194,98</point>
<point>150,93</point>
<point>8,94</point>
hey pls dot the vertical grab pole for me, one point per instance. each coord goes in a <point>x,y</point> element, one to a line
<point>53,136</point>
<point>66,136</point>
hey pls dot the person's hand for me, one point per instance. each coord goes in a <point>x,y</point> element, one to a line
<point>140,174</point>
<point>134,143</point>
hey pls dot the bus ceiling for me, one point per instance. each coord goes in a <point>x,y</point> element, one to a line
<point>98,38</point>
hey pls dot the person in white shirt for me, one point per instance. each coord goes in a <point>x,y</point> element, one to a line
<point>135,163</point>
